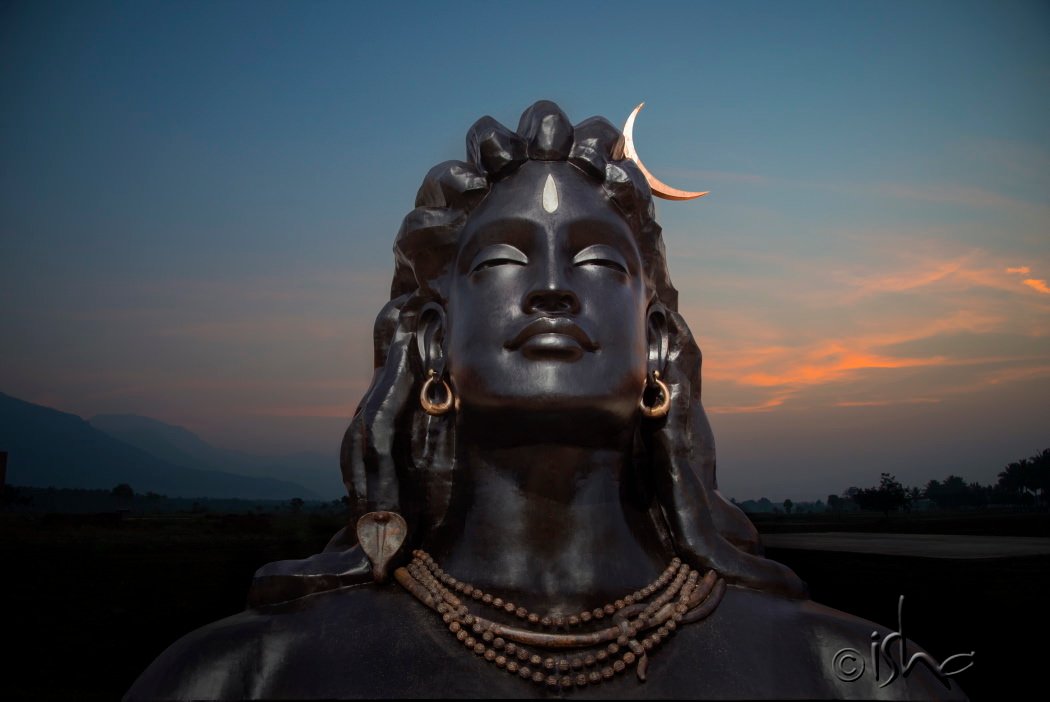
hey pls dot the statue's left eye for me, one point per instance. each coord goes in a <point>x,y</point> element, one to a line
<point>492,262</point>
<point>601,255</point>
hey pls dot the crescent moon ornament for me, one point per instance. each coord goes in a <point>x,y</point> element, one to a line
<point>659,188</point>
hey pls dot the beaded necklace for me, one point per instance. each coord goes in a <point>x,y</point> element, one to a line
<point>600,653</point>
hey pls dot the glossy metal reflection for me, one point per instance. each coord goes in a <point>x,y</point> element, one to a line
<point>659,188</point>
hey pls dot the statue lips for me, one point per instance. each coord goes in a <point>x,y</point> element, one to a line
<point>552,337</point>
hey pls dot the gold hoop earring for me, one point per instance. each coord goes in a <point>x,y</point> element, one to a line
<point>435,408</point>
<point>661,409</point>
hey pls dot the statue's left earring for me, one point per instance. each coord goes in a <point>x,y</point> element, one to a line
<point>435,408</point>
<point>660,410</point>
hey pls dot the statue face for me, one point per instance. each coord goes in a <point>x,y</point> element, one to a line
<point>547,304</point>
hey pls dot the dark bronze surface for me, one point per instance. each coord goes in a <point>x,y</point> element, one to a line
<point>532,279</point>
<point>375,641</point>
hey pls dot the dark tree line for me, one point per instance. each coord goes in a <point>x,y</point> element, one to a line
<point>1024,482</point>
<point>1028,478</point>
<point>888,496</point>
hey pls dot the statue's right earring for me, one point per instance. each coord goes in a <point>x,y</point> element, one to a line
<point>429,406</point>
<point>661,409</point>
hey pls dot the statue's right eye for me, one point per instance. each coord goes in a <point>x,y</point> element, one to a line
<point>498,255</point>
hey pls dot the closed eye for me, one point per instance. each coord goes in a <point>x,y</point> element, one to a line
<point>498,255</point>
<point>601,255</point>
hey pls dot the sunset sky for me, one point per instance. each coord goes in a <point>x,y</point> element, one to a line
<point>198,202</point>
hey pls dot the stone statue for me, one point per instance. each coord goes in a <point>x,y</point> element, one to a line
<point>534,434</point>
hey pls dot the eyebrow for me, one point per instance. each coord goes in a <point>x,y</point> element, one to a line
<point>517,231</point>
<point>583,232</point>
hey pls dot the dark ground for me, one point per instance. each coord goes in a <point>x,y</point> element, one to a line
<point>90,601</point>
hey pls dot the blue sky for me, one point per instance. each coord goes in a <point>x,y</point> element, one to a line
<point>198,201</point>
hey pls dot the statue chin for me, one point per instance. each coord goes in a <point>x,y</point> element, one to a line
<point>535,423</point>
<point>552,414</point>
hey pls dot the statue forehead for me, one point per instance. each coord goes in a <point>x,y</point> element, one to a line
<point>548,192</point>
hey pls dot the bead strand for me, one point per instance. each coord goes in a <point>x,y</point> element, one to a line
<point>680,594</point>
<point>547,620</point>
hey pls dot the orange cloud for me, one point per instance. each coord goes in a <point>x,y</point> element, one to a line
<point>908,280</point>
<point>1000,377</point>
<point>1037,285</point>
<point>959,273</point>
<point>832,362</point>
<point>789,373</point>
<point>912,316</point>
<point>885,403</point>
<point>766,406</point>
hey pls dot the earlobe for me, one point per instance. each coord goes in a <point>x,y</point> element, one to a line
<point>657,337</point>
<point>430,338</point>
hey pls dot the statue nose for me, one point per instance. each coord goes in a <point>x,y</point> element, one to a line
<point>552,301</point>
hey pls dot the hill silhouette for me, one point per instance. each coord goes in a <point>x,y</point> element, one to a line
<point>181,447</point>
<point>47,447</point>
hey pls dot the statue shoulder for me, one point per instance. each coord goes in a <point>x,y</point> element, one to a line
<point>363,641</point>
<point>241,656</point>
<point>206,663</point>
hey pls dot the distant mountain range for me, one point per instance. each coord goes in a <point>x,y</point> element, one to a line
<point>47,448</point>
<point>180,446</point>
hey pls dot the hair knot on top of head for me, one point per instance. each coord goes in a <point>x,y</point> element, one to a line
<point>452,184</point>
<point>494,150</point>
<point>597,142</point>
<point>547,131</point>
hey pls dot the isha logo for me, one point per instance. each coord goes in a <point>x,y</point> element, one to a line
<point>849,665</point>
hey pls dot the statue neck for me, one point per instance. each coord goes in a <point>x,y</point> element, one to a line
<point>553,525</point>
